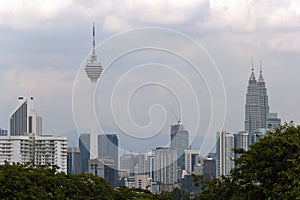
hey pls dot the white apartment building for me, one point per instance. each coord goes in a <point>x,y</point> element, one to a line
<point>40,149</point>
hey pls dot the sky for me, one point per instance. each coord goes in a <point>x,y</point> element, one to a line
<point>45,44</point>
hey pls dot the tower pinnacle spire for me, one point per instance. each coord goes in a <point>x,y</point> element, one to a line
<point>260,79</point>
<point>252,77</point>
<point>260,67</point>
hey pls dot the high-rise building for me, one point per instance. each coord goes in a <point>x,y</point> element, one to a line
<point>84,146</point>
<point>151,164</point>
<point>142,163</point>
<point>165,165</point>
<point>273,121</point>
<point>191,160</point>
<point>73,161</point>
<point>25,119</point>
<point>41,150</point>
<point>241,140</point>
<point>93,70</point>
<point>257,107</point>
<point>107,147</point>
<point>127,163</point>
<point>263,99</point>
<point>104,167</point>
<point>224,150</point>
<point>209,169</point>
<point>180,142</point>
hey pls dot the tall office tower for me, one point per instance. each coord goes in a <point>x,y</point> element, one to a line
<point>256,108</point>
<point>224,150</point>
<point>252,107</point>
<point>127,163</point>
<point>180,142</point>
<point>191,160</point>
<point>93,70</point>
<point>25,119</point>
<point>107,147</point>
<point>165,165</point>
<point>209,169</point>
<point>241,140</point>
<point>151,164</point>
<point>142,164</point>
<point>273,121</point>
<point>263,99</point>
<point>84,146</point>
<point>104,167</point>
<point>73,161</point>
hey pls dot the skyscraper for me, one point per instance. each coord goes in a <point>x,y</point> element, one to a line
<point>107,147</point>
<point>273,121</point>
<point>209,170</point>
<point>84,146</point>
<point>127,163</point>
<point>190,160</point>
<point>180,142</point>
<point>165,170</point>
<point>224,150</point>
<point>93,70</point>
<point>73,161</point>
<point>241,140</point>
<point>256,108</point>
<point>263,99</point>
<point>25,119</point>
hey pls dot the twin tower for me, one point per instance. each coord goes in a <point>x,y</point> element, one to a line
<point>257,107</point>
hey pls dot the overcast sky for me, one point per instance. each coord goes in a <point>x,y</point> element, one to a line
<point>45,43</point>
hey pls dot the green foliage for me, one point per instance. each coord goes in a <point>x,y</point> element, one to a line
<point>269,170</point>
<point>29,181</point>
<point>44,182</point>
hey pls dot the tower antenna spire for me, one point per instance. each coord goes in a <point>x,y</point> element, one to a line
<point>252,68</point>
<point>94,37</point>
<point>260,67</point>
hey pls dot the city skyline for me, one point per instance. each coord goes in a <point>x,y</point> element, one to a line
<point>49,54</point>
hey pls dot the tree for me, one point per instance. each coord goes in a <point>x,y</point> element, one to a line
<point>269,170</point>
<point>29,181</point>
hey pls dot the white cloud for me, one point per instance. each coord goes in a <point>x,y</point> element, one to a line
<point>26,14</point>
<point>43,82</point>
<point>288,42</point>
<point>114,24</point>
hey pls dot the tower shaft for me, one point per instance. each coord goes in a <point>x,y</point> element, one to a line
<point>94,126</point>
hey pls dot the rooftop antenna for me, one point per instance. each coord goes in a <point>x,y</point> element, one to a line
<point>252,65</point>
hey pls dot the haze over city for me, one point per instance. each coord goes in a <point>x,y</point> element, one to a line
<point>43,47</point>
